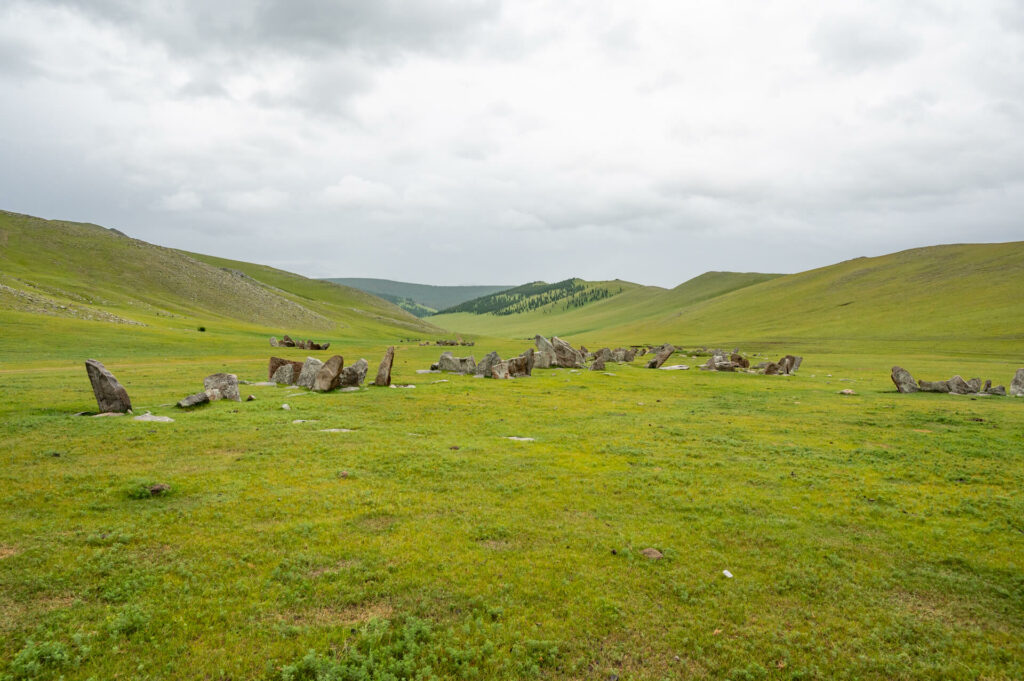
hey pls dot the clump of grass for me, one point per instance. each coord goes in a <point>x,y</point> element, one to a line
<point>147,490</point>
<point>40,660</point>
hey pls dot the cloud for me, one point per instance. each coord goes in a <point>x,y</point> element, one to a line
<point>352,191</point>
<point>254,200</point>
<point>183,200</point>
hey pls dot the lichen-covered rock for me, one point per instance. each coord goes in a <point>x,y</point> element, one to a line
<point>354,375</point>
<point>307,376</point>
<point>329,375</point>
<point>285,375</point>
<point>225,385</point>
<point>903,380</point>
<point>958,386</point>
<point>486,364</point>
<point>276,363</point>
<point>664,352</point>
<point>383,378</point>
<point>566,356</point>
<point>1017,384</point>
<point>500,371</point>
<point>933,386</point>
<point>110,394</point>
<point>194,400</point>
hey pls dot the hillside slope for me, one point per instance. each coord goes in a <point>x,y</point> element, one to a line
<point>419,299</point>
<point>89,273</point>
<point>958,296</point>
<point>633,304</point>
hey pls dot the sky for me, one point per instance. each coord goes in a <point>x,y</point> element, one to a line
<point>499,142</point>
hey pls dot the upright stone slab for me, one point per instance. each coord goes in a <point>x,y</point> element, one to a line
<point>1017,384</point>
<point>225,385</point>
<point>547,352</point>
<point>353,376</point>
<point>739,360</point>
<point>307,376</point>
<point>486,364</point>
<point>501,370</point>
<point>447,362</point>
<point>285,375</point>
<point>631,354</point>
<point>531,357</point>
<point>110,394</point>
<point>276,363</point>
<point>384,370</point>
<point>273,341</point>
<point>329,376</point>
<point>975,385</point>
<point>903,380</point>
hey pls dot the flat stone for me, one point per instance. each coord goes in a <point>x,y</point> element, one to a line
<point>337,430</point>
<point>153,418</point>
<point>108,413</point>
<point>428,371</point>
<point>675,367</point>
<point>847,391</point>
<point>263,384</point>
<point>520,439</point>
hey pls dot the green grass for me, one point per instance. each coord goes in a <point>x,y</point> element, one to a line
<point>873,536</point>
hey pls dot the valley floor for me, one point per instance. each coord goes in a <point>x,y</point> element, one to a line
<point>872,536</point>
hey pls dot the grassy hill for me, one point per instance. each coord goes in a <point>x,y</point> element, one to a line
<point>633,304</point>
<point>420,299</point>
<point>71,280</point>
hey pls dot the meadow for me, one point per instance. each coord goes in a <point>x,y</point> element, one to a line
<point>873,536</point>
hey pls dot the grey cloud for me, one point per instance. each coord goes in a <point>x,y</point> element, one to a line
<point>854,43</point>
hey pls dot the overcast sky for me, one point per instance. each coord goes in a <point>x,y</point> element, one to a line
<point>491,142</point>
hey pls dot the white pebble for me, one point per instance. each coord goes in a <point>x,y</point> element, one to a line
<point>727,574</point>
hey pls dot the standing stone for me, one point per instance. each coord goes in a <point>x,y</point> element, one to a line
<point>273,341</point>
<point>486,364</point>
<point>224,384</point>
<point>739,360</point>
<point>541,360</point>
<point>1017,384</point>
<point>285,374</point>
<point>329,375</point>
<point>354,375</point>
<point>630,355</point>
<point>520,366</point>
<point>566,356</point>
<point>530,356</point>
<point>903,380</point>
<point>276,363</point>
<point>974,385</point>
<point>110,395</point>
<point>501,370</point>
<point>958,386</point>
<point>546,350</point>
<point>384,370</point>
<point>309,371</point>
<point>325,346</point>
<point>447,362</point>
<point>618,355</point>
<point>597,364</point>
<point>664,353</point>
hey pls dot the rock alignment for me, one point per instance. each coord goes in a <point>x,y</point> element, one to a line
<point>329,375</point>
<point>954,386</point>
<point>287,342</point>
<point>383,378</point>
<point>110,394</point>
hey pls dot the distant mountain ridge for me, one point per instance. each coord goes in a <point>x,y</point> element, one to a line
<point>421,300</point>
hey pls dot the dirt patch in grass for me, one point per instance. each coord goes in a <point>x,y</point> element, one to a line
<point>6,551</point>
<point>334,569</point>
<point>496,544</point>
<point>335,616</point>
<point>16,614</point>
<point>376,523</point>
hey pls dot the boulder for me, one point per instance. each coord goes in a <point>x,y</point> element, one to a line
<point>530,357</point>
<point>307,376</point>
<point>619,355</point>
<point>566,356</point>
<point>997,390</point>
<point>325,346</point>
<point>975,385</point>
<point>110,394</point>
<point>459,365</point>
<point>226,386</point>
<point>521,365</point>
<point>1017,384</point>
<point>788,364</point>
<point>541,360</point>
<point>384,370</point>
<point>933,386</point>
<point>273,341</point>
<point>903,380</point>
<point>194,400</point>
<point>739,361</point>
<point>597,364</point>
<point>664,352</point>
<point>329,375</point>
<point>285,374</point>
<point>276,362</point>
<point>501,371</point>
<point>630,355</point>
<point>486,364</point>
<point>354,375</point>
<point>546,350</point>
<point>958,386</point>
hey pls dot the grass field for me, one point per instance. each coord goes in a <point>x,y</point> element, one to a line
<point>872,536</point>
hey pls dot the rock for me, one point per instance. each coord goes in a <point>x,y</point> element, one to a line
<point>1017,384</point>
<point>789,364</point>
<point>276,363</point>
<point>225,384</point>
<point>566,356</point>
<point>354,375</point>
<point>520,439</point>
<point>903,380</point>
<point>213,394</point>
<point>847,391</point>
<point>307,376</point>
<point>329,375</point>
<point>958,386</point>
<point>384,370</point>
<point>631,354</point>
<point>597,364</point>
<point>285,375</point>
<point>772,369</point>
<point>974,385</point>
<point>619,355</point>
<point>603,353</point>
<point>194,400</point>
<point>153,418</point>
<point>501,371</point>
<point>541,360</point>
<point>674,367</point>
<point>544,347</point>
<point>273,341</point>
<point>530,356</point>
<point>263,384</point>
<point>739,361</point>
<point>286,407</point>
<point>325,346</point>
<point>932,387</point>
<point>652,554</point>
<point>520,366</point>
<point>110,395</point>
<point>664,352</point>
<point>459,365</point>
<point>486,364</point>
<point>250,398</point>
<point>997,390</point>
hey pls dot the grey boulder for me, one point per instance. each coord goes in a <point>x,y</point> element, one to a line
<point>354,375</point>
<point>566,356</point>
<point>110,394</point>
<point>664,352</point>
<point>225,386</point>
<point>307,376</point>
<point>903,380</point>
<point>194,400</point>
<point>1017,384</point>
<point>329,375</point>
<point>285,375</point>
<point>486,364</point>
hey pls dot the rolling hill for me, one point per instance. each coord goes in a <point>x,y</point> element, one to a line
<point>83,274</point>
<point>421,300</point>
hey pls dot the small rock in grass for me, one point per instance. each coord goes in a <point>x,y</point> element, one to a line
<point>285,407</point>
<point>301,421</point>
<point>250,398</point>
<point>402,385</point>
<point>520,439</point>
<point>428,371</point>
<point>675,367</point>
<point>152,417</point>
<point>337,430</point>
<point>108,413</point>
<point>159,488</point>
<point>652,553</point>
<point>727,574</point>
<point>847,391</point>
